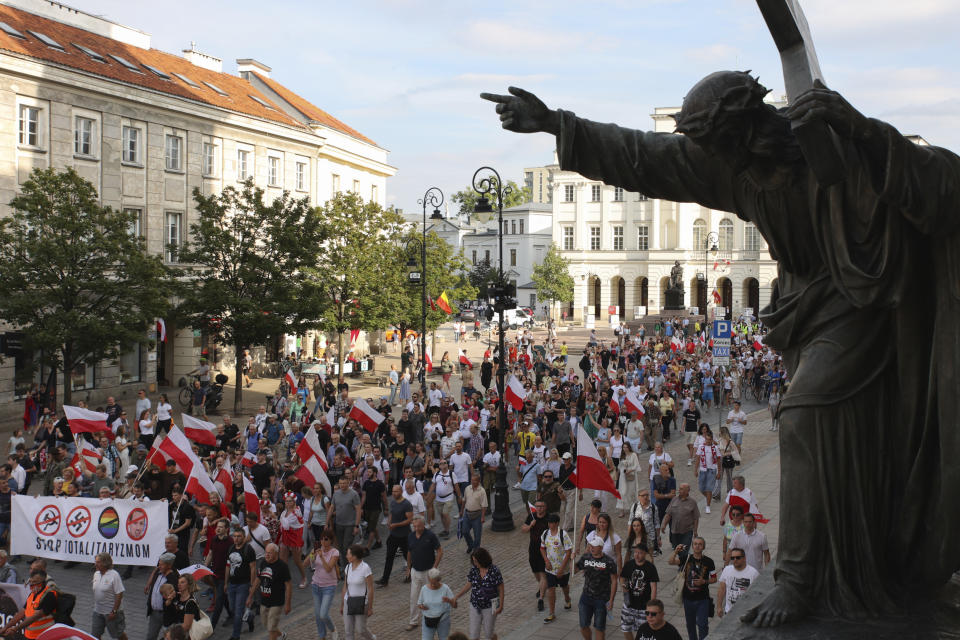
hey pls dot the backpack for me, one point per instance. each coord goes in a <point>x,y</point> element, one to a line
<point>65,604</point>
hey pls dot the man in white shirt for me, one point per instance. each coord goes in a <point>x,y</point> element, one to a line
<point>491,462</point>
<point>446,496</point>
<point>449,442</point>
<point>465,425</point>
<point>261,418</point>
<point>737,420</point>
<point>431,427</point>
<point>752,541</point>
<point>143,403</point>
<point>734,580</point>
<point>414,497</point>
<point>415,399</point>
<point>460,462</point>
<point>257,535</point>
<point>434,396</point>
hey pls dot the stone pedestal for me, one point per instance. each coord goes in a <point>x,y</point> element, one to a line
<point>673,299</point>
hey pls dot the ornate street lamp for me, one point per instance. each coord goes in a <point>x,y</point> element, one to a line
<point>434,198</point>
<point>491,187</point>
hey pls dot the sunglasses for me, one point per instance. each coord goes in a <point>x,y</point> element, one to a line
<point>737,557</point>
<point>653,613</point>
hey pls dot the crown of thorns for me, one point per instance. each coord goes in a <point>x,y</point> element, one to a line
<point>725,93</point>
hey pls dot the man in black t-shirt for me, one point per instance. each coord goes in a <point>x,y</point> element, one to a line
<point>535,525</point>
<point>639,579</point>
<point>599,586</point>
<point>699,572</point>
<point>656,627</point>
<point>691,424</point>
<point>241,572</point>
<point>263,474</point>
<point>401,515</point>
<point>276,589</point>
<point>373,493</point>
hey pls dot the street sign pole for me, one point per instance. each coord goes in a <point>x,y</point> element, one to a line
<point>722,330</point>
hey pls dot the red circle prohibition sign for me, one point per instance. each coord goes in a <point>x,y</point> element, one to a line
<point>78,521</point>
<point>48,520</point>
<point>137,524</point>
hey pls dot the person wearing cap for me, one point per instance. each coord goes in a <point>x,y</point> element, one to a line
<point>599,587</point>
<point>556,547</point>
<point>639,580</point>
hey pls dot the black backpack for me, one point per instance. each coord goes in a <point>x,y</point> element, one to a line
<point>65,604</point>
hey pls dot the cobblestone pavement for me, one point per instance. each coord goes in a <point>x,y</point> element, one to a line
<point>520,618</point>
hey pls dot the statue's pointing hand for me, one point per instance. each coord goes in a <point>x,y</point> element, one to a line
<point>524,112</point>
<point>821,103</point>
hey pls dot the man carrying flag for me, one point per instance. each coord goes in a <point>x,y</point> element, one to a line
<point>464,360</point>
<point>515,393</point>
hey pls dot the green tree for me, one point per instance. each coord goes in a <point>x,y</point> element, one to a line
<point>467,198</point>
<point>73,277</point>
<point>353,282</point>
<point>482,275</point>
<point>553,280</point>
<point>446,271</point>
<point>246,267</point>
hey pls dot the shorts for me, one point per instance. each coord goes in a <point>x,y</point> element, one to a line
<point>271,617</point>
<point>554,580</point>
<point>705,480</point>
<point>692,437</point>
<point>632,619</point>
<point>737,438</point>
<point>116,627</point>
<point>537,564</point>
<point>372,516</point>
<point>594,609</point>
<point>447,507</point>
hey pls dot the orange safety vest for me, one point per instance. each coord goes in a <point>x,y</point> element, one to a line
<point>42,623</point>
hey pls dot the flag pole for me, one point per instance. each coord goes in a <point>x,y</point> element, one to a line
<point>576,494</point>
<point>147,459</point>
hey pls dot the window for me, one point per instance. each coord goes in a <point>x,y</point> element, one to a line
<point>215,88</point>
<point>699,234</point>
<point>10,31</point>
<point>618,194</point>
<point>595,238</point>
<point>751,238</point>
<point>129,66</point>
<point>261,102</point>
<point>47,40</point>
<point>568,238</point>
<point>513,257</point>
<point>533,301</point>
<point>618,238</point>
<point>187,80</point>
<point>643,238</point>
<point>641,197</point>
<point>594,193</point>
<point>131,145</point>
<point>157,72</point>
<point>174,153</point>
<point>83,136</point>
<point>513,227</point>
<point>521,227</point>
<point>356,186</point>
<point>273,171</point>
<point>726,235</point>
<point>568,193</point>
<point>486,256</point>
<point>244,170</point>
<point>90,52</point>
<point>173,235</point>
<point>335,183</point>
<point>301,176</point>
<point>474,256</point>
<point>136,224</point>
<point>374,193</point>
<point>82,377</point>
<point>30,126</point>
<point>129,364</point>
<point>209,159</point>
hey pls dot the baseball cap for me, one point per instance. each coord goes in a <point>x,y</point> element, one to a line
<point>594,540</point>
<point>132,470</point>
<point>567,455</point>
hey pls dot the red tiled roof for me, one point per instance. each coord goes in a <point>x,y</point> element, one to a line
<point>310,111</point>
<point>238,89</point>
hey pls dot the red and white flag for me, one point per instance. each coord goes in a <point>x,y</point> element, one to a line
<point>86,458</point>
<point>224,476</point>
<point>632,403</point>
<point>311,472</point>
<point>363,413</point>
<point>85,421</point>
<point>757,343</point>
<point>675,343</point>
<point>529,357</point>
<point>515,393</point>
<point>249,459</point>
<point>250,501</point>
<point>332,416</point>
<point>614,406</point>
<point>591,472</point>
<point>198,571</point>
<point>310,446</point>
<point>63,632</point>
<point>531,508</point>
<point>175,446</point>
<point>200,486</point>
<point>354,334</point>
<point>429,361</point>
<point>200,431</point>
<point>464,360</point>
<point>162,330</point>
<point>291,380</point>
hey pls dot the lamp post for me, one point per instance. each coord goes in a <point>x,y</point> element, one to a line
<point>491,187</point>
<point>710,245</point>
<point>434,198</point>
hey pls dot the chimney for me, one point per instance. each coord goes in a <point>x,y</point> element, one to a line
<point>202,60</point>
<point>246,65</point>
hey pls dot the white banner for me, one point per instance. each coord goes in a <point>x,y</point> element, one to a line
<point>77,529</point>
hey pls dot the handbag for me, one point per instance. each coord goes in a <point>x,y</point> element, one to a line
<point>728,461</point>
<point>356,605</point>
<point>678,582</point>
<point>202,627</point>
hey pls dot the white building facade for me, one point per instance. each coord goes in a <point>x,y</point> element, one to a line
<point>622,247</point>
<point>147,127</point>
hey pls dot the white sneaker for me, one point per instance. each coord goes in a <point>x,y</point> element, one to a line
<point>708,508</point>
<point>689,462</point>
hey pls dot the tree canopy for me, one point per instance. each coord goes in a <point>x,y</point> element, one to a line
<point>467,198</point>
<point>245,267</point>
<point>552,277</point>
<point>73,277</point>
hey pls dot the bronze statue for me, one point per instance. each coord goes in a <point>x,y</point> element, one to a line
<point>864,313</point>
<point>676,276</point>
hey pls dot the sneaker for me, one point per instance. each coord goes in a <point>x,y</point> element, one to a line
<point>540,604</point>
<point>377,545</point>
<point>689,462</point>
<point>550,618</point>
<point>380,583</point>
<point>708,508</point>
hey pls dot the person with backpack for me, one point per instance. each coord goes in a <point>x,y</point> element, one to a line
<point>556,549</point>
<point>38,613</point>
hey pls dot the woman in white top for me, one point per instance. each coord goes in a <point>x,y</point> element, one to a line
<point>553,463</point>
<point>359,583</point>
<point>145,426</point>
<point>164,417</point>
<point>658,457</point>
<point>616,446</point>
<point>123,448</point>
<point>612,543</point>
<point>774,406</point>
<point>630,471</point>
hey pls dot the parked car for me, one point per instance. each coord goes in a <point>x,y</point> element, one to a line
<point>468,315</point>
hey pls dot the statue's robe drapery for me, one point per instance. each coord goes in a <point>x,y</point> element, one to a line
<point>865,312</point>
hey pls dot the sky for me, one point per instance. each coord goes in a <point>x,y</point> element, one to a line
<point>408,73</point>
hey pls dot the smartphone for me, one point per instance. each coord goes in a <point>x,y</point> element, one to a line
<point>495,603</point>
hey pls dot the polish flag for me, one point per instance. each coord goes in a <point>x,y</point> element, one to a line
<point>86,458</point>
<point>200,431</point>
<point>429,361</point>
<point>310,446</point>
<point>332,416</point>
<point>175,446</point>
<point>529,357</point>
<point>531,508</point>
<point>591,472</point>
<point>464,360</point>
<point>291,379</point>
<point>198,571</point>
<point>64,632</point>
<point>354,334</point>
<point>757,343</point>
<point>363,413</point>
<point>614,406</point>
<point>250,501</point>
<point>515,393</point>
<point>312,472</point>
<point>200,486</point>
<point>249,459</point>
<point>85,421</point>
<point>596,379</point>
<point>225,477</point>
<point>162,330</point>
<point>633,403</point>
<point>675,343</point>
